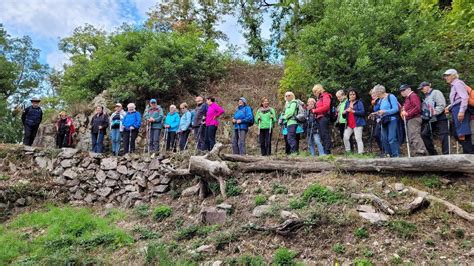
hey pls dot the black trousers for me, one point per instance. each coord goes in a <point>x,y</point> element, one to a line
<point>210,137</point>
<point>200,137</point>
<point>171,141</point>
<point>129,138</point>
<point>428,131</point>
<point>265,139</point>
<point>183,139</point>
<point>30,134</point>
<point>325,134</point>
<point>62,139</point>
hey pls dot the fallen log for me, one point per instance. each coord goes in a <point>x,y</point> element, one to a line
<point>451,207</point>
<point>382,204</point>
<point>460,163</point>
<point>285,229</point>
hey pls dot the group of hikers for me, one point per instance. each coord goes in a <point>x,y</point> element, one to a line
<point>416,122</point>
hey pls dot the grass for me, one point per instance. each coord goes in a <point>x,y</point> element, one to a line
<point>431,181</point>
<point>279,189</point>
<point>317,193</point>
<point>247,260</point>
<point>145,233</point>
<point>260,200</point>
<point>284,256</point>
<point>162,212</point>
<point>361,233</point>
<point>362,262</point>
<point>339,248</point>
<point>232,188</point>
<point>222,240</point>
<point>142,210</point>
<point>4,177</point>
<point>59,236</point>
<point>161,254</point>
<point>192,231</point>
<point>403,228</point>
<point>116,215</point>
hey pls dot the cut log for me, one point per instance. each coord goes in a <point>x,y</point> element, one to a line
<point>451,207</point>
<point>382,204</point>
<point>285,166</point>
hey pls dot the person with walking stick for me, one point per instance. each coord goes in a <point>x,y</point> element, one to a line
<point>266,119</point>
<point>131,125</point>
<point>154,120</point>
<point>411,115</point>
<point>184,126</point>
<point>312,130</point>
<point>171,126</point>
<point>99,125</point>
<point>243,118</point>
<point>116,128</point>
<point>199,123</point>
<point>388,113</point>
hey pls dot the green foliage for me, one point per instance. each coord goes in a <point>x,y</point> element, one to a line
<point>260,200</point>
<point>296,203</point>
<point>232,188</point>
<point>279,189</point>
<point>222,240</point>
<point>459,233</point>
<point>161,212</point>
<point>247,260</point>
<point>430,243</point>
<point>360,44</point>
<point>145,233</point>
<point>192,231</point>
<point>368,253</point>
<point>4,177</point>
<point>431,181</point>
<point>362,262</point>
<point>403,228</point>
<point>142,210</point>
<point>136,64</point>
<point>284,256</point>
<point>116,214</point>
<point>339,248</point>
<point>58,236</point>
<point>321,194</point>
<point>361,233</point>
<point>162,254</point>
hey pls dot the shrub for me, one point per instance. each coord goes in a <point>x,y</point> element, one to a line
<point>232,188</point>
<point>432,182</point>
<point>284,256</point>
<point>320,194</point>
<point>362,262</point>
<point>260,200</point>
<point>247,260</point>
<point>162,212</point>
<point>192,231</point>
<point>296,203</point>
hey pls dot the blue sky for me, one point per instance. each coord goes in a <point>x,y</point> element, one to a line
<point>47,21</point>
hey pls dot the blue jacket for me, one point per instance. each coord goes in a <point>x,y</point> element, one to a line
<point>390,105</point>
<point>173,121</point>
<point>245,114</point>
<point>185,121</point>
<point>359,112</point>
<point>132,119</point>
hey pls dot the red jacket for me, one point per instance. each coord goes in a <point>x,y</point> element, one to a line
<point>72,129</point>
<point>412,106</point>
<point>323,105</point>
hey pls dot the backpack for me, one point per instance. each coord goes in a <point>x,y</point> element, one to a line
<point>252,121</point>
<point>333,109</point>
<point>300,115</point>
<point>193,113</point>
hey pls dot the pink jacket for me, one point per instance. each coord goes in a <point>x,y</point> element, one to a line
<point>213,112</point>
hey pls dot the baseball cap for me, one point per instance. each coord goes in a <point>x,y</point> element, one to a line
<point>243,100</point>
<point>404,87</point>
<point>424,84</point>
<point>450,72</point>
<point>35,99</point>
<point>153,101</point>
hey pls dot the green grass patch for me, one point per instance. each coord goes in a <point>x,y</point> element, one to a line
<point>361,233</point>
<point>279,189</point>
<point>59,236</point>
<point>362,262</point>
<point>162,212</point>
<point>431,181</point>
<point>145,233</point>
<point>247,260</point>
<point>142,210</point>
<point>222,240</point>
<point>232,188</point>
<point>162,254</point>
<point>339,248</point>
<point>317,193</point>
<point>192,231</point>
<point>4,177</point>
<point>403,229</point>
<point>296,203</point>
<point>260,200</point>
<point>116,214</point>
<point>284,256</point>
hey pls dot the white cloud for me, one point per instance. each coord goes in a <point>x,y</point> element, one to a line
<point>57,59</point>
<point>144,6</point>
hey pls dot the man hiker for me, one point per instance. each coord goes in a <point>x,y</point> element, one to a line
<point>199,125</point>
<point>31,118</point>
<point>154,119</point>
<point>411,114</point>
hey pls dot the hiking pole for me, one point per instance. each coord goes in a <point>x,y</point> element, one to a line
<point>146,139</point>
<point>406,136</point>
<point>198,137</point>
<point>165,139</point>
<point>130,141</point>
<point>269,142</point>
<point>186,143</point>
<point>449,136</point>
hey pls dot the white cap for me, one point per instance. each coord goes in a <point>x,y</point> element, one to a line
<point>450,72</point>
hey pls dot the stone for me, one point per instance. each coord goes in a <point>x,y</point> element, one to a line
<point>90,198</point>
<point>155,181</point>
<point>100,176</point>
<point>60,180</point>
<point>29,148</point>
<point>261,210</point>
<point>225,206</point>
<point>190,191</point>
<point>110,183</point>
<point>272,198</point>
<point>122,169</point>
<point>154,164</point>
<point>218,263</point>
<point>381,184</point>
<point>68,153</point>
<point>70,173</point>
<point>166,161</point>
<point>205,249</point>
<point>12,167</point>
<point>67,163</point>
<point>161,188</point>
<point>417,204</point>
<point>212,215</point>
<point>165,180</point>
<point>86,162</point>
<point>285,215</point>
<point>131,171</point>
<point>72,183</point>
<point>365,208</point>
<point>79,195</point>
<point>109,206</point>
<point>104,192</point>
<point>153,175</point>
<point>135,195</point>
<point>130,188</point>
<point>374,217</point>
<point>141,181</point>
<point>399,186</point>
<point>20,202</point>
<point>108,163</point>
<point>57,171</point>
<point>113,175</point>
<point>41,162</point>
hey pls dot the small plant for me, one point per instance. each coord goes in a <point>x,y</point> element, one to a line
<point>431,181</point>
<point>214,187</point>
<point>362,262</point>
<point>4,177</point>
<point>459,233</point>
<point>296,203</point>
<point>320,194</point>
<point>361,233</point>
<point>430,243</point>
<point>395,259</point>
<point>142,210</point>
<point>116,214</point>
<point>232,188</point>
<point>224,239</point>
<point>247,260</point>
<point>284,256</point>
<point>368,253</point>
<point>466,244</point>
<point>179,222</point>
<point>403,228</point>
<point>145,233</point>
<point>162,212</point>
<point>260,200</point>
<point>175,194</point>
<point>258,190</point>
<point>192,231</point>
<point>279,189</point>
<point>339,248</point>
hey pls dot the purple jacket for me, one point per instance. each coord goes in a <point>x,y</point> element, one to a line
<point>213,111</point>
<point>458,94</point>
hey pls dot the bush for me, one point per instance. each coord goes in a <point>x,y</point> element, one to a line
<point>162,212</point>
<point>260,200</point>
<point>431,182</point>
<point>296,204</point>
<point>320,194</point>
<point>284,256</point>
<point>362,262</point>
<point>232,188</point>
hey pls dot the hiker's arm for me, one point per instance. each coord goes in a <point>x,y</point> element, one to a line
<point>394,109</point>
<point>359,111</point>
<point>440,102</point>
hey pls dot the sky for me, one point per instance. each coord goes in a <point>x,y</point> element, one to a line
<point>47,21</point>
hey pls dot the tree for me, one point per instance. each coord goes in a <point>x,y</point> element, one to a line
<point>251,18</point>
